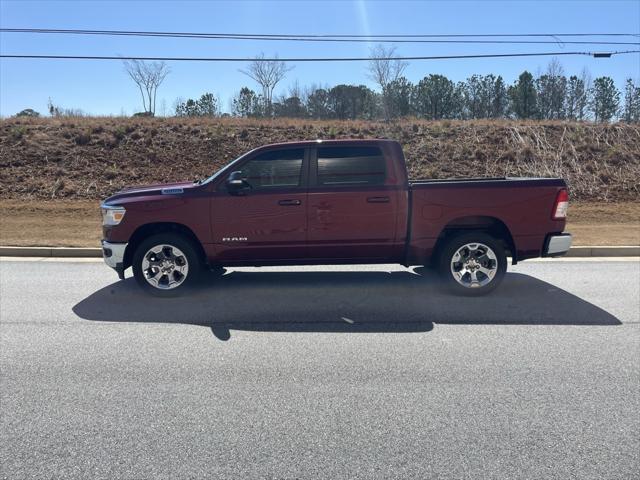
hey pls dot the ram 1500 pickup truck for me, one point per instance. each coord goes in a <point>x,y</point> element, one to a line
<point>332,202</point>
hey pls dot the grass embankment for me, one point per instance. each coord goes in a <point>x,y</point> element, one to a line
<point>76,223</point>
<point>53,172</point>
<point>90,158</point>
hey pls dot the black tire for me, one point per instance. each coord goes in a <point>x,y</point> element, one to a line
<point>494,262</point>
<point>182,250</point>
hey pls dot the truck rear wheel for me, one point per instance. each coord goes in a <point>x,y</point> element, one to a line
<point>472,264</point>
<point>166,264</point>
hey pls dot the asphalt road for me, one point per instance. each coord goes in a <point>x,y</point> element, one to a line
<point>273,373</point>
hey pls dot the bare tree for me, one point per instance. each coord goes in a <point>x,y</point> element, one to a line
<point>383,70</point>
<point>577,101</point>
<point>587,80</point>
<point>163,107</point>
<point>296,91</point>
<point>552,92</point>
<point>267,73</point>
<point>148,76</point>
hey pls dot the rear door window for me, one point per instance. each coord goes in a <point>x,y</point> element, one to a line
<point>351,166</point>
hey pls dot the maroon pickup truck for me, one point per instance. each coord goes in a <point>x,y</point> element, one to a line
<point>332,202</point>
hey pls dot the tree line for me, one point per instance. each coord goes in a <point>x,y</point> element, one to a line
<point>551,95</point>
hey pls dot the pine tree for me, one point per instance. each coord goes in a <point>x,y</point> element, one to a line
<point>605,99</point>
<point>631,102</point>
<point>436,97</point>
<point>247,103</point>
<point>399,97</point>
<point>478,94</point>
<point>318,103</point>
<point>523,97</point>
<point>552,90</point>
<point>499,102</point>
<point>577,98</point>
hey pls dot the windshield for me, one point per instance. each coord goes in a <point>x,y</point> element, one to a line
<point>221,171</point>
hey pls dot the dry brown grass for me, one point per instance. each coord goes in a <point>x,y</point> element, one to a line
<point>61,223</point>
<point>76,223</point>
<point>90,158</point>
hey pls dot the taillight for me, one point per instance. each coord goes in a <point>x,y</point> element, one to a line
<point>561,205</point>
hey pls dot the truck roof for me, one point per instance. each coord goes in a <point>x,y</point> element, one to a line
<point>320,141</point>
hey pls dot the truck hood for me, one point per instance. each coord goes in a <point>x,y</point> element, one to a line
<point>150,190</point>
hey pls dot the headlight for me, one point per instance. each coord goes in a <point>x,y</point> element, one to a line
<point>112,215</point>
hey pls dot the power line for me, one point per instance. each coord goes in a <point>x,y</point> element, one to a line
<point>309,59</point>
<point>430,35</point>
<point>405,38</point>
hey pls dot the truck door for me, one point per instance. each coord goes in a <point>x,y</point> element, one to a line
<point>352,212</point>
<point>266,221</point>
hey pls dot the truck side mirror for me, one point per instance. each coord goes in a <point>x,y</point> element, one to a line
<point>236,185</point>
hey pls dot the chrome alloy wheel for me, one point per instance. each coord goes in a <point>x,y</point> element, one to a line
<point>165,267</point>
<point>474,265</point>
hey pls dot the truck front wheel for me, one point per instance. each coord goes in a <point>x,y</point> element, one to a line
<point>472,264</point>
<point>166,264</point>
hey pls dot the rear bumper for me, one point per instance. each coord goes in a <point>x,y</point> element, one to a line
<point>557,245</point>
<point>113,255</point>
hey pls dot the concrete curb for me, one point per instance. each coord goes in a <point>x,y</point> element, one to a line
<point>74,252</point>
<point>604,251</point>
<point>50,252</point>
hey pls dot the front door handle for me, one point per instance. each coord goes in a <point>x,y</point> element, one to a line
<point>285,203</point>
<point>378,199</point>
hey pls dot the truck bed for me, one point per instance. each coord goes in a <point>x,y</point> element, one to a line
<point>491,181</point>
<point>521,206</point>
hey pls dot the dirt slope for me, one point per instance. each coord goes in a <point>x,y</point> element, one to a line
<point>90,158</point>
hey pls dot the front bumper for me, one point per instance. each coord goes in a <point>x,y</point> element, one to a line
<point>557,245</point>
<point>113,255</point>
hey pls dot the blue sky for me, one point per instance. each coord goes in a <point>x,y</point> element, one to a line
<point>103,88</point>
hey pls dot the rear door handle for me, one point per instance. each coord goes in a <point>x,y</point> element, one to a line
<point>289,202</point>
<point>378,199</point>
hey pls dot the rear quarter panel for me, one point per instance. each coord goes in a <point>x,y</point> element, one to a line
<point>524,206</point>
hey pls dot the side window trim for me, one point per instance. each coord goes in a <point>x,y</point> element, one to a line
<point>313,167</point>
<point>304,180</point>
